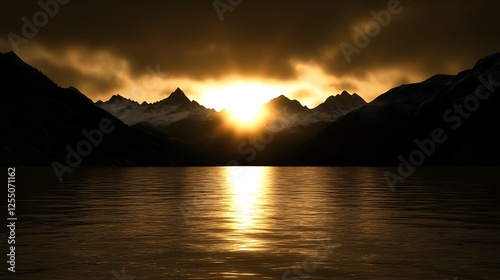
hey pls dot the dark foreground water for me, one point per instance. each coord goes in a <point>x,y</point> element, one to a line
<point>256,223</point>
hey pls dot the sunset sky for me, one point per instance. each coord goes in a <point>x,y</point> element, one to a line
<point>261,49</point>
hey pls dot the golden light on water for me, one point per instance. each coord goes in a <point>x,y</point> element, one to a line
<point>247,187</point>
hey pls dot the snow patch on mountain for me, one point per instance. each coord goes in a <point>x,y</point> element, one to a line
<point>283,113</point>
<point>165,112</point>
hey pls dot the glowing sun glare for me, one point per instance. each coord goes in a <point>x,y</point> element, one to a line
<point>246,110</point>
<point>243,101</point>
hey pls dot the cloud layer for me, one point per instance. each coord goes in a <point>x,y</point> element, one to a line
<point>105,47</point>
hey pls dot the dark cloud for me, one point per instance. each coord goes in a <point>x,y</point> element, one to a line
<point>303,94</point>
<point>94,83</point>
<point>263,37</point>
<point>345,85</point>
<point>430,37</point>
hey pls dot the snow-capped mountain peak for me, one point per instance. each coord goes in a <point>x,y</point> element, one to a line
<point>177,106</point>
<point>165,112</point>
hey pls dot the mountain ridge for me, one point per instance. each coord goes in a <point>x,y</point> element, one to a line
<point>48,125</point>
<point>333,107</point>
<point>180,131</point>
<point>385,131</point>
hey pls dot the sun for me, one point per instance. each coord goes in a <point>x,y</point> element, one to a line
<point>243,102</point>
<point>245,110</point>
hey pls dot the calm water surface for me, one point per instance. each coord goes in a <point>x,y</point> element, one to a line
<point>257,223</point>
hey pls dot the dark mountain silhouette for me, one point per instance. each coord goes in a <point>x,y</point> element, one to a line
<point>210,134</point>
<point>177,98</point>
<point>296,114</point>
<point>283,103</point>
<point>178,107</point>
<point>172,109</point>
<point>342,103</point>
<point>392,128</point>
<point>40,120</point>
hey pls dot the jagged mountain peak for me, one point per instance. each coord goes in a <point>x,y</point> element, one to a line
<point>13,58</point>
<point>345,100</point>
<point>282,97</point>
<point>44,121</point>
<point>178,94</point>
<point>487,62</point>
<point>178,97</point>
<point>282,102</point>
<point>177,106</point>
<point>344,95</point>
<point>118,97</point>
<point>72,88</point>
<point>13,64</point>
<point>384,132</point>
<point>279,100</point>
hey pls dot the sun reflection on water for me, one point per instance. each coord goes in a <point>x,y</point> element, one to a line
<point>247,187</point>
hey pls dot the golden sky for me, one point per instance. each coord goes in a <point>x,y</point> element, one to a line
<point>261,49</point>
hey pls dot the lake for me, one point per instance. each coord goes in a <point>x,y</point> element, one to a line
<point>256,223</point>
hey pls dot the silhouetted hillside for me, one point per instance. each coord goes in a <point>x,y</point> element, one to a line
<point>212,135</point>
<point>461,111</point>
<point>445,120</point>
<point>42,122</point>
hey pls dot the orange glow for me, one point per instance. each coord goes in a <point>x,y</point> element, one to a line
<point>244,109</point>
<point>246,115</point>
<point>242,96</point>
<point>243,101</point>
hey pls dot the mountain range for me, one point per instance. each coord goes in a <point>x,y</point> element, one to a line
<point>178,107</point>
<point>207,132</point>
<point>444,120</point>
<point>43,124</point>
